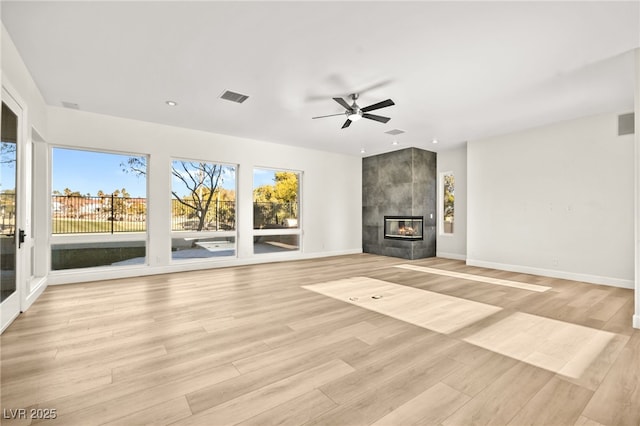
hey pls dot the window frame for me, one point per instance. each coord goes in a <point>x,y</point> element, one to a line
<point>441,206</point>
<point>279,231</point>
<point>204,234</point>
<point>89,238</point>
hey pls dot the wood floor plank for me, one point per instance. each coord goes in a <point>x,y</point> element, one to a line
<point>38,390</point>
<point>475,377</point>
<point>217,394</point>
<point>160,414</point>
<point>376,373</point>
<point>584,421</point>
<point>606,308</point>
<point>617,399</point>
<point>264,359</point>
<point>373,403</point>
<point>383,332</point>
<point>619,322</point>
<point>389,348</point>
<point>361,317</point>
<point>295,412</point>
<point>268,397</point>
<point>127,405</point>
<point>141,383</point>
<point>249,345</point>
<point>430,407</point>
<point>558,402</point>
<point>208,354</point>
<point>503,398</point>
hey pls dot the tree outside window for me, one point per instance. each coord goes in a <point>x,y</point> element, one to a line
<point>448,198</point>
<point>203,194</point>
<point>275,205</point>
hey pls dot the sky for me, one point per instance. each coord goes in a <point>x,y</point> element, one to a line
<point>7,172</point>
<point>88,172</point>
<point>263,177</point>
<point>7,176</point>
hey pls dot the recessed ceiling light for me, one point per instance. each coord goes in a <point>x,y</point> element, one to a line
<point>394,143</point>
<point>171,103</point>
<point>434,141</point>
<point>362,151</point>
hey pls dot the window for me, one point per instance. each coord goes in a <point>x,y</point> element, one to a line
<point>98,209</point>
<point>448,200</point>
<point>8,176</point>
<point>203,210</point>
<point>276,211</point>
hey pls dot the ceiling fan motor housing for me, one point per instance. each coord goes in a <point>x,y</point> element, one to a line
<point>355,113</point>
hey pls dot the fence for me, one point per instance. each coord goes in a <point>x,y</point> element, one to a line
<point>87,214</point>
<point>274,215</point>
<point>7,213</point>
<point>110,214</point>
<point>220,216</point>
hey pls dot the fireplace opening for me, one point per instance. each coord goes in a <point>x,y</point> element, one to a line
<point>403,227</point>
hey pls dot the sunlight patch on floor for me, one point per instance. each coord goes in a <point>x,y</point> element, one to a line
<point>564,348</point>
<point>433,311</point>
<point>480,278</point>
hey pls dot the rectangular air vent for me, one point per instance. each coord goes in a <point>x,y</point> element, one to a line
<point>395,132</point>
<point>228,95</point>
<point>626,124</point>
<point>70,105</point>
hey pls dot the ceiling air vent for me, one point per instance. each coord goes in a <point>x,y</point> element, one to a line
<point>234,97</point>
<point>70,105</point>
<point>626,125</point>
<point>395,132</point>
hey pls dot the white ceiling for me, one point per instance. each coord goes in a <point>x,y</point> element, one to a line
<point>457,71</point>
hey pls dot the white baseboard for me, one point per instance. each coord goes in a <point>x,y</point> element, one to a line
<point>454,256</point>
<point>636,321</point>
<point>574,276</point>
<point>112,273</point>
<point>37,286</point>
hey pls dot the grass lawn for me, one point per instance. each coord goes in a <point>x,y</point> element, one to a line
<point>82,226</point>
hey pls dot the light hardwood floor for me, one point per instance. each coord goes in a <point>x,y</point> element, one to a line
<point>252,346</point>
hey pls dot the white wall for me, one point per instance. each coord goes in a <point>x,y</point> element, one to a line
<point>556,201</point>
<point>17,80</point>
<point>454,246</point>
<point>20,86</point>
<point>330,192</point>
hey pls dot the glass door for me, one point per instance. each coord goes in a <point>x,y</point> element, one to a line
<point>10,233</point>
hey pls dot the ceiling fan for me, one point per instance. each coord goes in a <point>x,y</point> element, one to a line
<point>355,113</point>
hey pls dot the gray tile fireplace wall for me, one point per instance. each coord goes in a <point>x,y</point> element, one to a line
<point>399,183</point>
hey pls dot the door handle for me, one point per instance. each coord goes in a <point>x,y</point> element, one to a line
<point>21,236</point>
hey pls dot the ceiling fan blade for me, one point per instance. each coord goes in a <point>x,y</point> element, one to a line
<point>330,115</point>
<point>379,105</point>
<point>343,103</point>
<point>376,117</point>
<point>346,124</point>
<point>377,85</point>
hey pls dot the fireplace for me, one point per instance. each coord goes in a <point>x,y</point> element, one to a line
<point>403,227</point>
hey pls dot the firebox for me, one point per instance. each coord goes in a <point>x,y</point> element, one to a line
<point>403,227</point>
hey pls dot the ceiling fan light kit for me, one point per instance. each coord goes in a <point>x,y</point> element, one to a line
<point>355,113</point>
<point>354,116</point>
